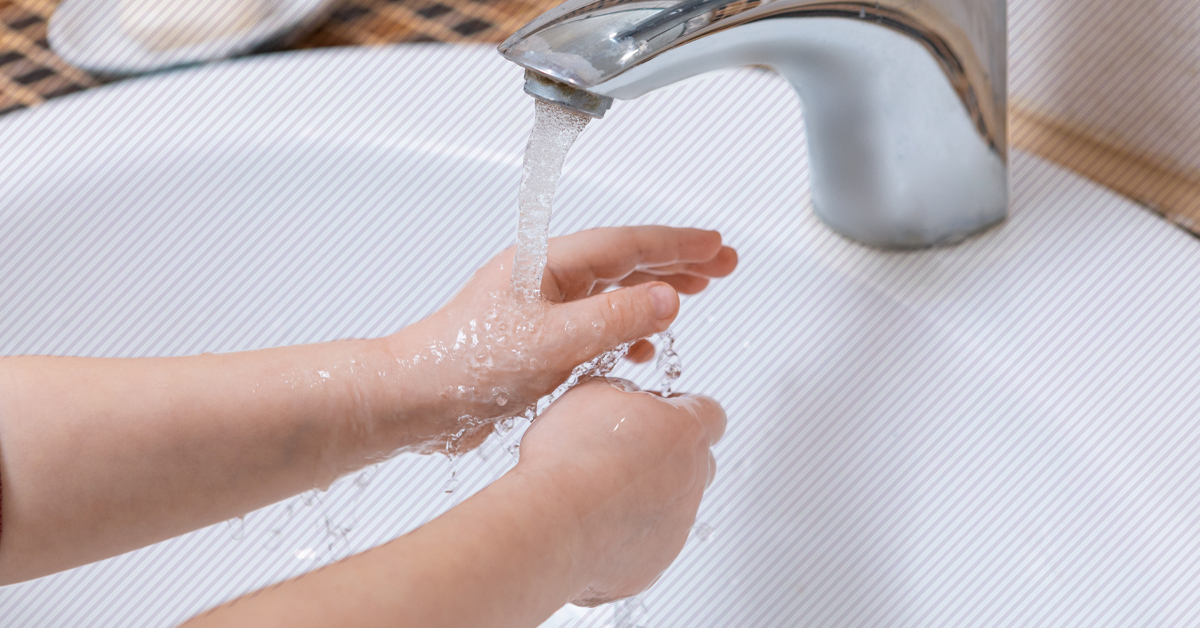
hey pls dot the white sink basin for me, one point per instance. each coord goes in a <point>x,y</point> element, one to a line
<point>998,434</point>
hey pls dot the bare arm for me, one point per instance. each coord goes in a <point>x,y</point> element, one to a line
<point>593,512</point>
<point>102,456</point>
<point>498,559</point>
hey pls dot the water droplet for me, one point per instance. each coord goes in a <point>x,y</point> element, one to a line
<point>336,529</point>
<point>237,528</point>
<point>628,613</point>
<point>364,477</point>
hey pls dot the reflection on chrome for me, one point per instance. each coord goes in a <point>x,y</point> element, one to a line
<point>905,101</point>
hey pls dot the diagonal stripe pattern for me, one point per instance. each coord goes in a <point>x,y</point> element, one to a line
<point>996,434</point>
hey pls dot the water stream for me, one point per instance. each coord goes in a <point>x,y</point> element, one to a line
<point>555,129</point>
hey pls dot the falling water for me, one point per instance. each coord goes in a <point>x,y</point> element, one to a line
<point>555,129</point>
<point>670,367</point>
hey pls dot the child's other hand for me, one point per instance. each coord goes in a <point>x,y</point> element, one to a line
<point>627,469</point>
<point>487,356</point>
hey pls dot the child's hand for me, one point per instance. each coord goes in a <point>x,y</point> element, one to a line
<point>485,355</point>
<point>600,504</point>
<point>629,468</point>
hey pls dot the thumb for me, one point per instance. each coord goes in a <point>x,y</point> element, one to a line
<point>608,319</point>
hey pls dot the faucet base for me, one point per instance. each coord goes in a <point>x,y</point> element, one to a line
<point>895,159</point>
<point>907,237</point>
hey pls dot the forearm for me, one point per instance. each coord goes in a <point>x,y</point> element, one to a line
<point>503,558</point>
<point>101,456</point>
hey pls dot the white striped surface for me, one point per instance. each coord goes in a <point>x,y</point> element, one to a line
<point>998,434</point>
<point>1126,72</point>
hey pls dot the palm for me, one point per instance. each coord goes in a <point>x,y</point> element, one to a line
<point>497,356</point>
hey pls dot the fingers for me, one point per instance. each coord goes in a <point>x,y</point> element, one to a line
<point>721,265</point>
<point>685,279</point>
<point>609,319</point>
<point>724,263</point>
<point>690,278</point>
<point>641,352</point>
<point>580,260</point>
<point>683,284</point>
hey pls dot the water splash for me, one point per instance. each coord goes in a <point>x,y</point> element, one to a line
<point>364,477</point>
<point>599,366</point>
<point>670,366</point>
<point>335,513</point>
<point>702,532</point>
<point>628,613</point>
<point>237,528</point>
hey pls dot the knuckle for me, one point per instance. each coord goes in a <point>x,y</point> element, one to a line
<point>692,430</point>
<point>617,314</point>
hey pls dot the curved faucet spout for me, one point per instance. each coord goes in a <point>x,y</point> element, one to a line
<point>905,101</point>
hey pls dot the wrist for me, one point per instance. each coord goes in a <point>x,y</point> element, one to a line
<point>406,413</point>
<point>444,398</point>
<point>569,510</point>
<point>544,512</point>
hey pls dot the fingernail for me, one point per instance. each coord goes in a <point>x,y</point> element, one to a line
<point>664,300</point>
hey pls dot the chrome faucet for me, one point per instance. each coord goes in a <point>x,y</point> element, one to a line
<point>904,101</point>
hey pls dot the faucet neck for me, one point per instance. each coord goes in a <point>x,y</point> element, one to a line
<point>905,109</point>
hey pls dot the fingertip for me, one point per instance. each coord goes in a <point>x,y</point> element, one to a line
<point>687,284</point>
<point>712,240</point>
<point>664,299</point>
<point>727,261</point>
<point>640,352</point>
<point>695,245</point>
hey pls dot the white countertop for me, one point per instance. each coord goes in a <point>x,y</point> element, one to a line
<point>996,434</point>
